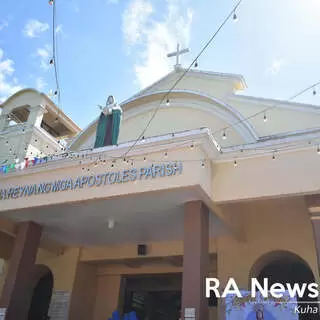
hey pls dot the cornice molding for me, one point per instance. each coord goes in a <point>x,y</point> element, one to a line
<point>281,104</point>
<point>198,137</point>
<point>201,138</point>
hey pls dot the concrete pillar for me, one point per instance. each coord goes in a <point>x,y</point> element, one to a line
<point>3,121</point>
<point>195,261</point>
<point>36,116</point>
<point>18,286</point>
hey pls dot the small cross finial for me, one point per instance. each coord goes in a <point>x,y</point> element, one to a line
<point>177,54</point>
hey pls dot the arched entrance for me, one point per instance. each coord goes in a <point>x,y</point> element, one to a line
<point>286,267</point>
<point>42,292</point>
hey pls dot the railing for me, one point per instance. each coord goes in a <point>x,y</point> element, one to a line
<point>13,128</point>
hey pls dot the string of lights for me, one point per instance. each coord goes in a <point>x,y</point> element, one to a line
<point>54,60</point>
<point>231,125</point>
<point>264,111</point>
<point>265,119</point>
<point>241,148</point>
<point>195,63</point>
<point>101,158</point>
<point>90,153</point>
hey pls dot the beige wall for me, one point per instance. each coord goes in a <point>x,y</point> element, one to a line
<point>63,267</point>
<point>253,178</point>
<point>129,251</point>
<point>270,226</point>
<point>279,225</point>
<point>192,175</point>
<point>108,285</point>
<point>193,118</point>
<point>108,288</point>
<point>84,293</point>
<point>289,174</point>
<point>214,87</point>
<point>273,225</point>
<point>195,114</point>
<point>302,117</point>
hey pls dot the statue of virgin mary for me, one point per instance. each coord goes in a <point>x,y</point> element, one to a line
<point>259,313</point>
<point>109,124</point>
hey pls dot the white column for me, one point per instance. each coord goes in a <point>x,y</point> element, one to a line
<point>3,121</point>
<point>36,116</point>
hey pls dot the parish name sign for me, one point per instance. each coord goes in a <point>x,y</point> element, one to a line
<point>93,180</point>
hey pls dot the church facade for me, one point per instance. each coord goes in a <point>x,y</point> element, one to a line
<point>207,190</point>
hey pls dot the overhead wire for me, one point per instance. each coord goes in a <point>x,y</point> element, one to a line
<point>296,95</point>
<point>175,84</point>
<point>54,54</point>
<point>182,76</point>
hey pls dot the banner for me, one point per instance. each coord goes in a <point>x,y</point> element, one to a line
<point>260,308</point>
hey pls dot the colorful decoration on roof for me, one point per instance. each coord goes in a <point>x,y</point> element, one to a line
<point>10,167</point>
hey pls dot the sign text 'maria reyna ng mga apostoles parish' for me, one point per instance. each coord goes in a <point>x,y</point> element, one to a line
<point>93,180</point>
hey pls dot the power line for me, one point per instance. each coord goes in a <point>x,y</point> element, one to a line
<point>102,160</point>
<point>231,14</point>
<point>177,81</point>
<point>240,148</point>
<point>268,149</point>
<point>294,96</point>
<point>54,52</point>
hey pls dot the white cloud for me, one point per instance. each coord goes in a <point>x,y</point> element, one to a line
<point>135,19</point>
<point>3,24</point>
<point>45,55</point>
<point>275,67</point>
<point>34,28</point>
<point>154,38</point>
<point>40,83</point>
<point>8,86</point>
<point>59,29</point>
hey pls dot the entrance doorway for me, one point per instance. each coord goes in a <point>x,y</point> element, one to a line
<point>154,297</point>
<point>41,296</point>
<point>285,267</point>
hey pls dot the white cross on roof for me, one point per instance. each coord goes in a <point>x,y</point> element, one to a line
<point>177,54</point>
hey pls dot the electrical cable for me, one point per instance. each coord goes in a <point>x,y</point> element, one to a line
<point>299,93</point>
<point>182,76</point>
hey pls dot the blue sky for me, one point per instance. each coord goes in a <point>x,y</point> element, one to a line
<point>118,47</point>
